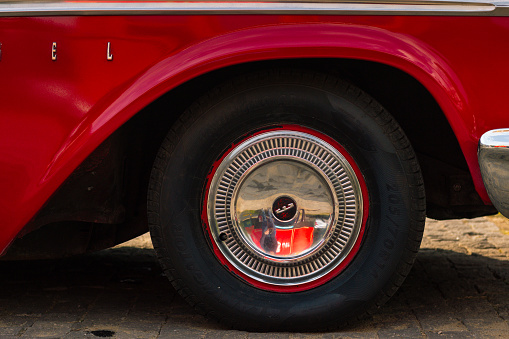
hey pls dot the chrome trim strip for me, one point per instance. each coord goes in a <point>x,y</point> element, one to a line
<point>438,7</point>
<point>493,155</point>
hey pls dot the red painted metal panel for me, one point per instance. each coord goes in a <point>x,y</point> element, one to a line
<point>54,113</point>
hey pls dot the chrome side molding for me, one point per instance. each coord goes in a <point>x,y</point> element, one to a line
<point>493,155</point>
<point>289,7</point>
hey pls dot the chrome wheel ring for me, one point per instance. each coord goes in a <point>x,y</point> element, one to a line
<point>285,207</point>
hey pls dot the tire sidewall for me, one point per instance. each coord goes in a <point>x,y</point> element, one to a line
<point>231,119</point>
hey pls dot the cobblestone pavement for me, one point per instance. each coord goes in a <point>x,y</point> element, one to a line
<point>458,288</point>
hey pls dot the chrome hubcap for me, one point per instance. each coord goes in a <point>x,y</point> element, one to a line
<point>285,207</point>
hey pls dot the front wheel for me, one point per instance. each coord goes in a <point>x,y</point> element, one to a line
<point>289,201</point>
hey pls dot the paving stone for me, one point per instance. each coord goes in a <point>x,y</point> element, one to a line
<point>152,308</point>
<point>311,335</point>
<point>273,335</point>
<point>449,334</point>
<point>78,334</point>
<point>140,328</point>
<point>8,321</point>
<point>34,305</point>
<point>356,335</point>
<point>129,334</point>
<point>75,308</point>
<point>409,332</point>
<point>227,334</point>
<point>11,326</point>
<point>47,329</point>
<point>439,317</point>
<point>182,329</point>
<point>10,332</point>
<point>101,320</point>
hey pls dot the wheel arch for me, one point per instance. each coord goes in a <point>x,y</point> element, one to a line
<point>316,41</point>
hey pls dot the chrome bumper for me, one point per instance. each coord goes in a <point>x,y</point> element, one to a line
<point>493,155</point>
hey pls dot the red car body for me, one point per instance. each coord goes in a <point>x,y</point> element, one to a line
<point>54,114</point>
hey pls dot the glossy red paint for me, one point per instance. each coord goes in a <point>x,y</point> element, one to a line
<point>54,113</point>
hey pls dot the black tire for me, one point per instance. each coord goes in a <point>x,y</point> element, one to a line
<point>236,111</point>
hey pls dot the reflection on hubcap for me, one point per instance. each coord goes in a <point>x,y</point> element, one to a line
<point>288,207</point>
<point>287,229</point>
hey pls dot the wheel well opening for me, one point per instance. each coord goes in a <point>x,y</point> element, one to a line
<point>449,187</point>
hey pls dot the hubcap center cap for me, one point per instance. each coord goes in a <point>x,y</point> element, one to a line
<point>284,208</point>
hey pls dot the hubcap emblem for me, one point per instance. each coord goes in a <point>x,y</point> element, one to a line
<point>284,208</point>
